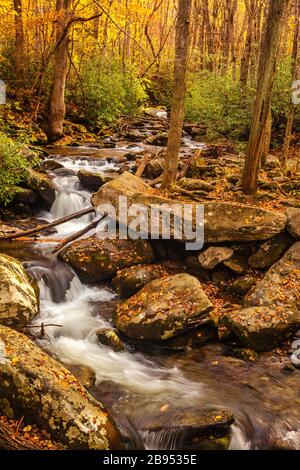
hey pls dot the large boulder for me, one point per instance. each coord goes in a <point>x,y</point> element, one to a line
<point>38,388</point>
<point>222,221</point>
<point>19,298</point>
<point>293,225</point>
<point>128,281</point>
<point>97,260</point>
<point>191,184</point>
<point>41,184</point>
<point>165,308</point>
<point>271,311</point>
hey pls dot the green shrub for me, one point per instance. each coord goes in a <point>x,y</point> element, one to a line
<point>221,105</point>
<point>107,91</point>
<point>14,164</point>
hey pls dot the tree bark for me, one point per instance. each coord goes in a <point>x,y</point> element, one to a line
<point>179,92</point>
<point>263,98</point>
<point>19,39</point>
<point>57,108</point>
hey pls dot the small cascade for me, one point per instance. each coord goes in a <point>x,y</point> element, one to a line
<point>166,439</point>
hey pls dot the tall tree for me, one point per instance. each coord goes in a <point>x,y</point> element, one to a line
<point>57,107</point>
<point>19,38</point>
<point>179,91</point>
<point>263,98</point>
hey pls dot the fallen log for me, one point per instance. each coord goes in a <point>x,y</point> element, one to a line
<point>41,228</point>
<point>76,235</point>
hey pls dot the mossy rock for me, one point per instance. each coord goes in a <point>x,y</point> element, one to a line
<point>129,281</point>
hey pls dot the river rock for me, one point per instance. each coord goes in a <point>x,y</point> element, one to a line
<point>50,165</point>
<point>223,221</point>
<point>214,255</point>
<point>109,337</point>
<point>154,168</point>
<point>128,281</point>
<point>42,185</point>
<point>193,429</point>
<point>161,139</point>
<point>190,184</point>
<point>293,225</point>
<point>25,195</point>
<point>19,294</point>
<point>38,388</point>
<point>271,311</point>
<point>238,263</point>
<point>165,308</point>
<point>96,260</point>
<point>242,285</point>
<point>91,180</point>
<point>270,252</point>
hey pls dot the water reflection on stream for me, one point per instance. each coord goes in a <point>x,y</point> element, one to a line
<point>263,397</point>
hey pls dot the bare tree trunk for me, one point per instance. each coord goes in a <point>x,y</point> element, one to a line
<point>57,107</point>
<point>295,70</point>
<point>19,39</point>
<point>267,137</point>
<point>245,63</point>
<point>263,98</point>
<point>179,92</point>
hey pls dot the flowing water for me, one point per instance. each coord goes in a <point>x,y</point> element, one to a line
<point>264,396</point>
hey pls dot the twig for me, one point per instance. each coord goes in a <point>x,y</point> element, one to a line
<point>76,235</point>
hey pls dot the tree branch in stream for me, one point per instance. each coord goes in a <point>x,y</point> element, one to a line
<point>41,228</point>
<point>76,235</point>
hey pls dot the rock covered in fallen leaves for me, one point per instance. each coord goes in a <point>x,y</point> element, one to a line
<point>37,387</point>
<point>128,281</point>
<point>165,308</point>
<point>97,260</point>
<point>191,184</point>
<point>271,311</point>
<point>214,255</point>
<point>242,285</point>
<point>19,299</point>
<point>195,429</point>
<point>222,221</point>
<point>293,225</point>
<point>270,252</point>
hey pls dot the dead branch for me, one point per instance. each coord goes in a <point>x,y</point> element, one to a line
<point>76,235</point>
<point>41,228</point>
<point>139,172</point>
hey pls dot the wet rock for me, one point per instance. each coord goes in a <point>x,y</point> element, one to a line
<point>199,169</point>
<point>133,136</point>
<point>50,165</point>
<point>97,260</point>
<point>19,299</point>
<point>42,185</point>
<point>293,225</point>
<point>160,140</point>
<point>223,221</point>
<point>214,255</point>
<point>109,337</point>
<point>65,172</point>
<point>37,387</point>
<point>242,285</point>
<point>270,252</point>
<point>193,429</point>
<point>92,181</point>
<point>245,354</point>
<point>191,339</point>
<point>128,281</point>
<point>191,184</point>
<point>165,308</point>
<point>271,311</point>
